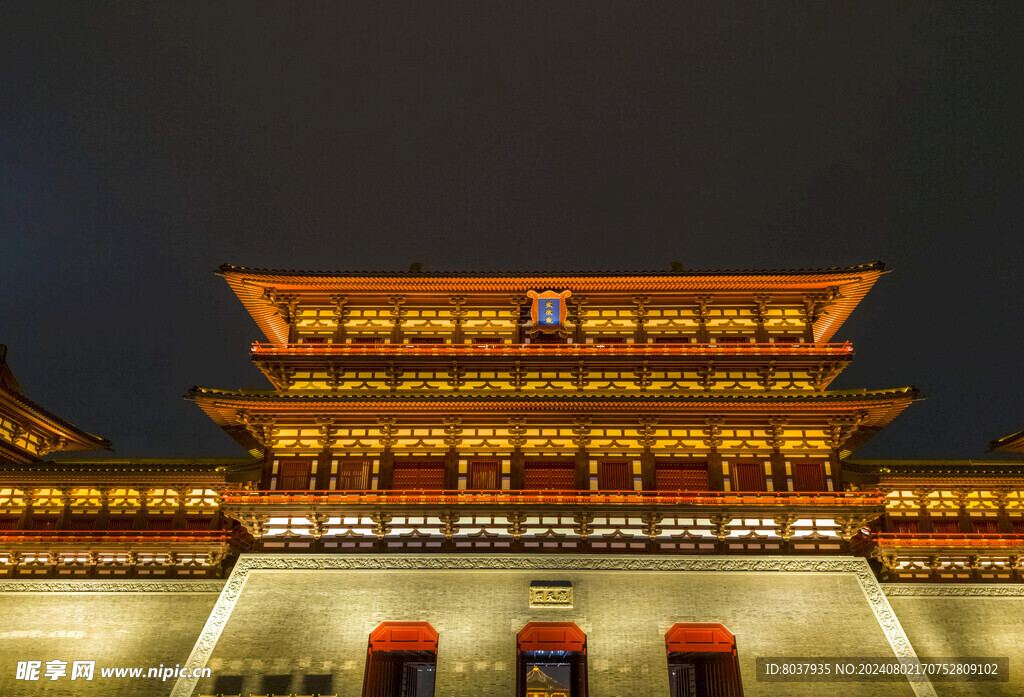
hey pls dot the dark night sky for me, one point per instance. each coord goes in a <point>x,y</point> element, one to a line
<point>143,144</point>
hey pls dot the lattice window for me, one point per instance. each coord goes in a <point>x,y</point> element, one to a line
<point>413,475</point>
<point>354,476</point>
<point>986,526</point>
<point>681,476</point>
<point>484,475</point>
<point>614,476</point>
<point>293,475</point>
<point>550,476</point>
<point>748,476</point>
<point>906,526</point>
<point>808,476</point>
<point>946,527</point>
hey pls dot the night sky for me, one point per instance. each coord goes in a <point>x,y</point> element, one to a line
<point>144,144</point>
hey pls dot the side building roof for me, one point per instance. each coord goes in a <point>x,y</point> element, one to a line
<point>1013,443</point>
<point>29,431</point>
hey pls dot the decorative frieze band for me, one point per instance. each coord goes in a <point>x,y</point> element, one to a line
<point>120,586</point>
<point>953,590</point>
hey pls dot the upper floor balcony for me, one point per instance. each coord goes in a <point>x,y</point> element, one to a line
<point>574,367</point>
<point>713,522</point>
<point>596,349</point>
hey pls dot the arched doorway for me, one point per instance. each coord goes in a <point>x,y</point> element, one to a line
<point>702,661</point>
<point>401,660</point>
<point>551,660</point>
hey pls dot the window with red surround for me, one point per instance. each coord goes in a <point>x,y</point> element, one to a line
<point>484,475</point>
<point>614,476</point>
<point>293,474</point>
<point>905,526</point>
<point>418,475</point>
<point>551,659</point>
<point>353,476</point>
<point>681,476</point>
<point>748,476</point>
<point>945,527</point>
<point>550,476</point>
<point>702,661</point>
<point>985,526</point>
<point>401,660</point>
<point>808,476</point>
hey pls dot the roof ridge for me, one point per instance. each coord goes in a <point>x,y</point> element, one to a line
<point>231,268</point>
<point>198,391</point>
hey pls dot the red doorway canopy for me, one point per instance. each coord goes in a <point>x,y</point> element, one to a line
<point>403,636</point>
<point>551,636</point>
<point>699,637</point>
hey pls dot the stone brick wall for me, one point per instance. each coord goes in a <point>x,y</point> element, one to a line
<point>115,629</point>
<point>290,625</point>
<point>971,627</point>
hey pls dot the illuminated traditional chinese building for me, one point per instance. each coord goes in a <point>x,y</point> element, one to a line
<point>629,421</point>
<point>437,448</point>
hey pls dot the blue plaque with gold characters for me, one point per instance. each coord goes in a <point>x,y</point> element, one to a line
<point>548,310</point>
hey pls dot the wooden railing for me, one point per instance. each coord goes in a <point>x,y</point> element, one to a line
<point>556,498</point>
<point>799,349</point>
<point>964,539</point>
<point>99,536</point>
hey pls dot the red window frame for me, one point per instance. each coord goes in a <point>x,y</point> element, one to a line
<point>703,653</point>
<point>809,476</point>
<point>540,642</point>
<point>483,475</point>
<point>985,526</point>
<point>159,522</point>
<point>681,475</point>
<point>906,526</point>
<point>747,476</point>
<point>353,476</point>
<point>293,473</point>
<point>393,652</point>
<point>549,475</point>
<point>418,475</point>
<point>615,475</point>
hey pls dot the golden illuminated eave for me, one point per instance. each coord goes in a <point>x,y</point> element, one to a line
<point>110,471</point>
<point>866,412</point>
<point>1013,443</point>
<point>27,431</point>
<point>844,288</point>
